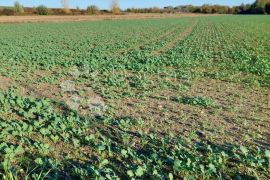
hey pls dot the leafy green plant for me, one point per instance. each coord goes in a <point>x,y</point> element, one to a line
<point>197,101</point>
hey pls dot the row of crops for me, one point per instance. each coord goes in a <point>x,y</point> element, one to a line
<point>130,46</point>
<point>128,65</point>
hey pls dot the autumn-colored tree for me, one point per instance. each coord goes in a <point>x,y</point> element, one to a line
<point>206,9</point>
<point>65,5</point>
<point>115,7</point>
<point>92,9</point>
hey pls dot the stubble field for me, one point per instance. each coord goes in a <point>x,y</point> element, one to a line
<point>136,99</point>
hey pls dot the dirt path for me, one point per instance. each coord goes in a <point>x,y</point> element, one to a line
<point>27,19</point>
<point>171,44</point>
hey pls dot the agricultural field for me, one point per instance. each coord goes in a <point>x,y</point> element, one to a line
<point>173,98</point>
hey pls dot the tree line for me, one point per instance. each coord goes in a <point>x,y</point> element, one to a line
<point>258,7</point>
<point>19,9</point>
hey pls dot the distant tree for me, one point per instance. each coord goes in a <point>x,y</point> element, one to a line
<point>196,10</point>
<point>42,10</point>
<point>258,7</point>
<point>232,10</point>
<point>222,9</point>
<point>8,11</point>
<point>261,3</point>
<point>214,9</point>
<point>65,5</point>
<point>169,9</point>
<point>92,9</point>
<point>258,10</point>
<point>18,8</point>
<point>115,7</point>
<point>78,8</point>
<point>156,10</point>
<point>243,9</point>
<point>267,8</point>
<point>206,9</point>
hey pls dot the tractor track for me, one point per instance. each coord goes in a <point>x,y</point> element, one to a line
<point>171,44</point>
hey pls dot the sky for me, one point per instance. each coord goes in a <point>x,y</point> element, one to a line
<point>105,4</point>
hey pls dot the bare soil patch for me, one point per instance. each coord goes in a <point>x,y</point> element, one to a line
<point>27,19</point>
<point>4,82</point>
<point>241,116</point>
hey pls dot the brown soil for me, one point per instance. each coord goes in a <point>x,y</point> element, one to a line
<point>26,19</point>
<point>241,116</point>
<point>4,83</point>
<point>85,96</point>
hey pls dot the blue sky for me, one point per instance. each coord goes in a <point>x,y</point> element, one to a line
<point>104,4</point>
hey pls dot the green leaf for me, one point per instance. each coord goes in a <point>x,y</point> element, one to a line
<point>104,163</point>
<point>39,161</point>
<point>177,164</point>
<point>130,173</point>
<point>188,162</point>
<point>155,172</point>
<point>124,153</point>
<point>267,154</point>
<point>202,168</point>
<point>212,168</point>
<point>170,176</point>
<point>140,171</point>
<point>244,150</point>
<point>101,148</point>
